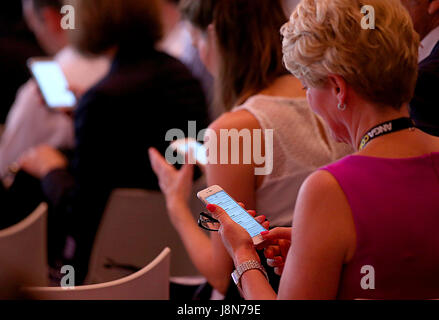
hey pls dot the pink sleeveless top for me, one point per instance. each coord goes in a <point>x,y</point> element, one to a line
<point>395,207</point>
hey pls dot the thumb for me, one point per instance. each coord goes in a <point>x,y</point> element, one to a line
<point>187,171</point>
<point>277,234</point>
<point>218,213</point>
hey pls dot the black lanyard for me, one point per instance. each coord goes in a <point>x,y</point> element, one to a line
<point>386,128</point>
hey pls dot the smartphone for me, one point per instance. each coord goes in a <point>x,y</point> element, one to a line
<point>216,195</point>
<point>52,83</point>
<point>192,147</point>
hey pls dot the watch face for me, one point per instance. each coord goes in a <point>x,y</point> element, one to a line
<point>235,277</point>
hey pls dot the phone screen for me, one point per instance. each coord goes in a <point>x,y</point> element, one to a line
<point>195,148</point>
<point>236,212</point>
<point>53,84</point>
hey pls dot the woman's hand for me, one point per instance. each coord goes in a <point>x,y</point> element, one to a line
<point>175,185</point>
<point>277,244</point>
<point>236,239</point>
<point>42,160</point>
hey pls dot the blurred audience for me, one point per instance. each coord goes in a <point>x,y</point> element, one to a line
<point>240,46</point>
<point>423,107</point>
<point>145,94</point>
<point>17,44</point>
<point>177,43</point>
<point>365,226</point>
<point>29,123</point>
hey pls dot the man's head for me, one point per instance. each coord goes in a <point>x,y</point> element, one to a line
<point>424,13</point>
<point>44,19</point>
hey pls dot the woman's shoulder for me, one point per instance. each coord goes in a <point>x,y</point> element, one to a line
<point>262,101</point>
<point>239,119</point>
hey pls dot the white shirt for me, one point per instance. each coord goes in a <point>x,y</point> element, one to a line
<point>428,44</point>
<point>30,123</point>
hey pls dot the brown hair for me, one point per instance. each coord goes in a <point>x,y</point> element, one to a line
<point>103,24</point>
<point>249,44</point>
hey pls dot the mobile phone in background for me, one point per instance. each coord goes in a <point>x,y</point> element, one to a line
<point>52,83</point>
<point>191,148</point>
<point>216,195</point>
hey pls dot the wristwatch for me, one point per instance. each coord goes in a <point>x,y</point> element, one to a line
<point>244,267</point>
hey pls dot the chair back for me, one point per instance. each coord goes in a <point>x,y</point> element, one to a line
<point>134,229</point>
<point>150,283</point>
<point>23,249</point>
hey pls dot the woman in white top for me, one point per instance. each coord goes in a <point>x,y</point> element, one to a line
<point>240,45</point>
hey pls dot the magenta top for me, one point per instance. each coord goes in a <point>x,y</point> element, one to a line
<point>395,207</point>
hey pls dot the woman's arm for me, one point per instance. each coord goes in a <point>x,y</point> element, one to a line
<point>208,254</point>
<point>237,179</point>
<point>323,239</point>
<point>177,186</point>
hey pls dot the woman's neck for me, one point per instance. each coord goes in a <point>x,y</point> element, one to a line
<point>364,121</point>
<point>285,86</point>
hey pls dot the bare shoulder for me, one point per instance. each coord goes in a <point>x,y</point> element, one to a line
<point>321,190</point>
<point>241,119</point>
<point>322,206</point>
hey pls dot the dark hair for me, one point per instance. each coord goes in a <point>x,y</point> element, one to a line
<point>249,43</point>
<point>103,24</point>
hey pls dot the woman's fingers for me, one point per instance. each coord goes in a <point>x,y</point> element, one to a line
<point>158,163</point>
<point>278,233</point>
<point>276,262</point>
<point>260,219</point>
<point>187,171</point>
<point>266,224</point>
<point>160,166</point>
<point>279,270</point>
<point>272,251</point>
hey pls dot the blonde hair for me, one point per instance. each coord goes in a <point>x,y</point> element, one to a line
<point>326,37</point>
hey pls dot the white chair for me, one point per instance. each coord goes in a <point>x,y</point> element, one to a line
<point>150,283</point>
<point>133,230</point>
<point>23,249</point>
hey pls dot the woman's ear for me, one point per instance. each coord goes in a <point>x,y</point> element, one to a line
<point>338,87</point>
<point>433,8</point>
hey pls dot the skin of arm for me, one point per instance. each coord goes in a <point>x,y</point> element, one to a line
<point>238,180</point>
<point>323,239</point>
<point>207,252</point>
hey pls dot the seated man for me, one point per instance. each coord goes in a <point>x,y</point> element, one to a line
<point>28,123</point>
<point>425,105</point>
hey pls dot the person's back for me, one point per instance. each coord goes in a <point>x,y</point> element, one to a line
<point>396,214</point>
<point>145,94</point>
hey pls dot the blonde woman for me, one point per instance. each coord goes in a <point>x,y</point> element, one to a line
<point>366,226</point>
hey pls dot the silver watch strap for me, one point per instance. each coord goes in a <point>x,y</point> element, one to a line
<point>244,267</point>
